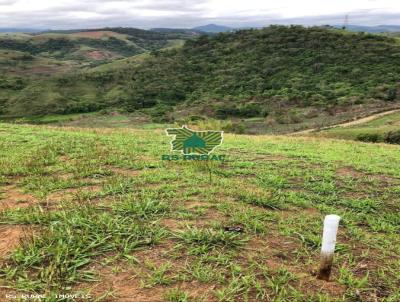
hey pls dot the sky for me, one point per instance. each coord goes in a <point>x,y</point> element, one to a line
<point>69,14</point>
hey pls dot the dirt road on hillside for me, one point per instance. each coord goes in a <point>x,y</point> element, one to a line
<point>349,124</point>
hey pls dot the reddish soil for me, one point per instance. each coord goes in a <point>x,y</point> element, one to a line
<point>195,204</point>
<point>171,224</point>
<point>10,237</point>
<point>123,171</point>
<point>349,172</point>
<point>125,288</point>
<point>64,158</point>
<point>14,198</point>
<point>278,253</point>
<point>124,284</point>
<point>67,194</point>
<point>98,55</point>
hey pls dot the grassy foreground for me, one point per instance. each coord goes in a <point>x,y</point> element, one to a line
<point>95,214</point>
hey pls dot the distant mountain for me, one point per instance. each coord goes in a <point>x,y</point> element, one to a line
<point>372,29</point>
<point>210,29</point>
<point>19,30</point>
<point>213,28</point>
<point>173,30</point>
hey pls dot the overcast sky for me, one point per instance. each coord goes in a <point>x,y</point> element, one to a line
<point>61,14</point>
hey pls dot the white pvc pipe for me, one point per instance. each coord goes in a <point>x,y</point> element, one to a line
<point>331,225</point>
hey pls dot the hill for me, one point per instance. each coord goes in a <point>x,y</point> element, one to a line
<point>97,212</point>
<point>213,28</point>
<point>89,45</point>
<point>28,59</point>
<point>372,29</point>
<point>186,31</point>
<point>273,76</point>
<point>204,29</point>
<point>19,30</point>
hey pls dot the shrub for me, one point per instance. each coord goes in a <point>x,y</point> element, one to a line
<point>236,127</point>
<point>249,110</point>
<point>369,137</point>
<point>211,124</point>
<point>393,137</point>
<point>223,112</point>
<point>291,117</point>
<point>159,112</point>
<point>313,113</point>
<point>245,110</point>
<point>194,118</point>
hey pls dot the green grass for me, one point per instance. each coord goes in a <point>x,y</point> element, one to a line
<point>378,127</point>
<point>91,120</point>
<point>101,214</point>
<point>52,118</point>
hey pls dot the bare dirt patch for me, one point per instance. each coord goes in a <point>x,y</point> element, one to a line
<point>311,285</point>
<point>124,171</point>
<point>15,198</point>
<point>195,204</point>
<point>64,158</point>
<point>123,280</point>
<point>276,252</point>
<point>198,290</point>
<point>11,236</point>
<point>352,173</point>
<point>68,194</point>
<point>125,287</point>
<point>171,224</point>
<point>157,254</point>
<point>349,172</point>
<point>98,55</point>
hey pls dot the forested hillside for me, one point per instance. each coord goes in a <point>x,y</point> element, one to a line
<point>248,73</point>
<point>97,44</point>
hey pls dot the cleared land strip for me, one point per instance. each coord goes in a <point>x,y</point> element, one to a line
<point>350,123</point>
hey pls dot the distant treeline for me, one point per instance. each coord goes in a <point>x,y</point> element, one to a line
<point>64,45</point>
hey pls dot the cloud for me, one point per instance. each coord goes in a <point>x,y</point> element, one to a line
<point>360,17</point>
<point>7,2</point>
<point>64,14</point>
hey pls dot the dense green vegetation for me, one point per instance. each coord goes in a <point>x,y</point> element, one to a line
<point>99,213</point>
<point>50,45</point>
<point>244,74</point>
<point>277,64</point>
